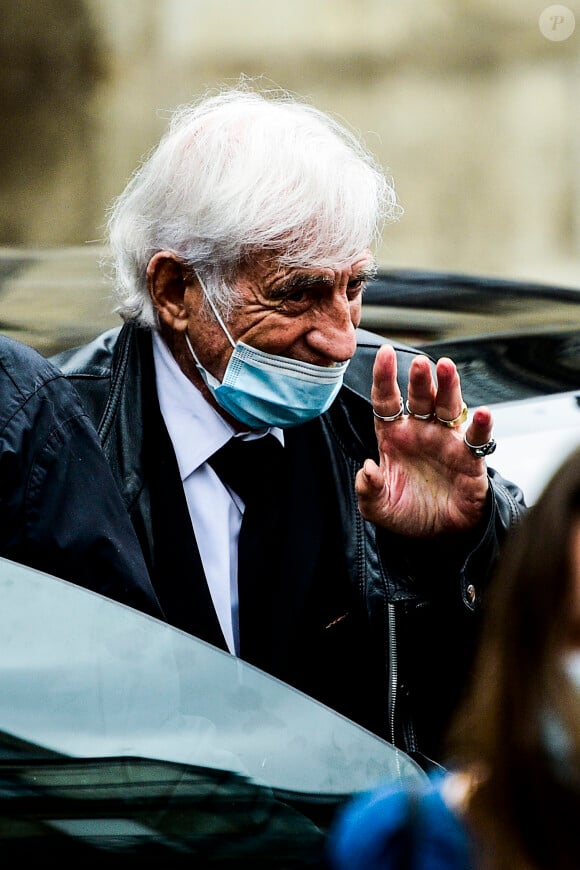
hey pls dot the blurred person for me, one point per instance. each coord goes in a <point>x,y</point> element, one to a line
<point>60,511</point>
<point>511,797</point>
<point>351,560</point>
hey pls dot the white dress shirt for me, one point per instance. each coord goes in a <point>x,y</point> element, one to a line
<point>197,431</point>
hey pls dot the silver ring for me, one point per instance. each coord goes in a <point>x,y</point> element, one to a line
<point>481,450</point>
<point>418,416</point>
<point>395,416</point>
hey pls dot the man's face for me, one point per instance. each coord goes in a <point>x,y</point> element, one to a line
<point>305,314</point>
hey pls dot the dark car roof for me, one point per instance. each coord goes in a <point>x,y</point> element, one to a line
<point>421,307</point>
<point>503,367</point>
<point>510,339</point>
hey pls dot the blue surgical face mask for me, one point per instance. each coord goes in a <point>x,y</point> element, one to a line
<point>261,389</point>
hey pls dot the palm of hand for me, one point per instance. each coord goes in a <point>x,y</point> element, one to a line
<point>428,483</point>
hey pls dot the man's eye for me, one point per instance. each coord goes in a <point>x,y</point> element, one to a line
<point>356,286</point>
<point>296,296</point>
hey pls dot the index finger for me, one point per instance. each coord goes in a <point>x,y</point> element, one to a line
<point>385,392</point>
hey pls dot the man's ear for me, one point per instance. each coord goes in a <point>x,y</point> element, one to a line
<point>167,281</point>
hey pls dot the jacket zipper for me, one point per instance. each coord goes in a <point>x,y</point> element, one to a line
<point>393,672</point>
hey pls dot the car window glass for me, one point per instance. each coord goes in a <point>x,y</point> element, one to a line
<point>85,676</point>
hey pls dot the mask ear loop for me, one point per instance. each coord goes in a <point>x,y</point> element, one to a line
<point>206,375</point>
<point>208,378</point>
<point>215,313</point>
<point>191,350</point>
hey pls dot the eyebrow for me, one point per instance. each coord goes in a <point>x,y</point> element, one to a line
<point>298,282</point>
<point>367,274</point>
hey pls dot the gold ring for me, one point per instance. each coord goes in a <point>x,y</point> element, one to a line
<point>394,416</point>
<point>457,421</point>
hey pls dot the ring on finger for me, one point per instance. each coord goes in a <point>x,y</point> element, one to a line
<point>481,450</point>
<point>457,421</point>
<point>394,416</point>
<point>418,416</point>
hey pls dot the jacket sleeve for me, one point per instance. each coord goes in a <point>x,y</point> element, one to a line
<point>506,506</point>
<point>62,511</point>
<point>459,566</point>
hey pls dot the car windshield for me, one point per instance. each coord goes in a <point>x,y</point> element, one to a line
<point>116,727</point>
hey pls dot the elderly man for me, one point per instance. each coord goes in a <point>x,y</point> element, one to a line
<point>343,538</point>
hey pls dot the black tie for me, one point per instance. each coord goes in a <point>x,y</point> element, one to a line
<point>253,470</point>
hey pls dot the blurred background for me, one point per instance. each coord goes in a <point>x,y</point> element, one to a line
<point>473,106</point>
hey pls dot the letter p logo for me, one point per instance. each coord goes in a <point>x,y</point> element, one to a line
<point>557,23</point>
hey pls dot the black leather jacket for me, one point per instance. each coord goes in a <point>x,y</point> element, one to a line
<point>422,601</point>
<point>59,508</point>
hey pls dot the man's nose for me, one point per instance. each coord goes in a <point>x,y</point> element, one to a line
<point>334,332</point>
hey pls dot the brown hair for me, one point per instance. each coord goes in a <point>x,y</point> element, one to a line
<point>526,811</point>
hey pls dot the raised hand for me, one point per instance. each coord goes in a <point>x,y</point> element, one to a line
<point>432,477</point>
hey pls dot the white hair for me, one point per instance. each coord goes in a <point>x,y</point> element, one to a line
<point>240,173</point>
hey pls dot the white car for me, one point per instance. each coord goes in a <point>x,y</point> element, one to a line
<point>533,437</point>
